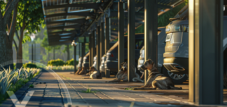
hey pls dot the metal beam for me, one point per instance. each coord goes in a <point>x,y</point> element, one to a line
<point>98,48</point>
<point>83,50</point>
<point>84,5</point>
<point>131,39</point>
<point>61,32</point>
<point>115,14</point>
<point>75,59</point>
<point>79,21</point>
<point>150,31</point>
<point>99,17</point>
<point>102,39</point>
<point>60,27</point>
<point>108,34</point>
<point>73,34</point>
<point>93,46</point>
<point>206,51</point>
<point>102,43</point>
<point>90,43</point>
<point>120,34</point>
<point>107,40</point>
<point>141,4</point>
<point>66,14</point>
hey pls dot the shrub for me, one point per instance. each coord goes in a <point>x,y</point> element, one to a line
<point>29,65</point>
<point>71,62</point>
<point>57,62</point>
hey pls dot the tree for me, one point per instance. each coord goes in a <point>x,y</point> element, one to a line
<point>30,18</point>
<point>66,49</point>
<point>8,14</point>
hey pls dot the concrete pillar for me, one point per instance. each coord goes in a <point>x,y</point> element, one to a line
<point>98,47</point>
<point>75,59</point>
<point>205,51</point>
<point>120,34</point>
<point>150,32</point>
<point>131,39</point>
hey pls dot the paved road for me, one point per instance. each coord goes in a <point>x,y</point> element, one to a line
<point>63,88</point>
<point>112,94</point>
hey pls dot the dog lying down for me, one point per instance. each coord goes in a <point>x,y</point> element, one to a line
<point>78,71</point>
<point>156,80</point>
<point>122,75</point>
<point>95,73</point>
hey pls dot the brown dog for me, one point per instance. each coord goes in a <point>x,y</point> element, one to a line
<point>78,71</point>
<point>156,79</point>
<point>83,71</point>
<point>95,73</point>
<point>122,74</point>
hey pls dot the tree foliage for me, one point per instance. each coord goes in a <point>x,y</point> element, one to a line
<point>30,14</point>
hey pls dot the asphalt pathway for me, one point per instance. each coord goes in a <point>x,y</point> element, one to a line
<point>64,89</point>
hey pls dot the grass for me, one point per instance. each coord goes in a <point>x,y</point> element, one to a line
<point>31,86</point>
<point>65,67</point>
<point>130,88</point>
<point>89,91</point>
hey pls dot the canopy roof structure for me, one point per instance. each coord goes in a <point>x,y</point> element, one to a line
<point>67,20</point>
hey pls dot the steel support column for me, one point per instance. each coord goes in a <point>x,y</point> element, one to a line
<point>98,48</point>
<point>75,59</point>
<point>131,39</point>
<point>205,51</point>
<point>83,49</point>
<point>90,53</point>
<point>102,43</point>
<point>150,32</point>
<point>102,39</point>
<point>107,41</point>
<point>93,46</point>
<point>120,34</point>
<point>108,32</point>
<point>79,44</point>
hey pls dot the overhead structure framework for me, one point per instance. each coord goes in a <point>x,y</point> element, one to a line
<point>66,20</point>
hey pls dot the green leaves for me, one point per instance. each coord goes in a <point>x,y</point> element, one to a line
<point>30,14</point>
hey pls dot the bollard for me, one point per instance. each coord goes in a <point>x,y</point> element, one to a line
<point>107,73</point>
<point>103,74</point>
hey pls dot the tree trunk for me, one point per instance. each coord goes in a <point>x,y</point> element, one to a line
<point>20,51</point>
<point>68,53</point>
<point>5,50</point>
<point>54,53</point>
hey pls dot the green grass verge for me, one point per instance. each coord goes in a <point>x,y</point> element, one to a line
<point>130,88</point>
<point>20,83</point>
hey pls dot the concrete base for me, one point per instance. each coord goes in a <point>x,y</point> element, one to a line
<point>107,73</point>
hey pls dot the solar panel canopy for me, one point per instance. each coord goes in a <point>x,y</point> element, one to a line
<point>68,20</point>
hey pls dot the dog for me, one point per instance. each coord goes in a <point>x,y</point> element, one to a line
<point>90,71</point>
<point>77,72</point>
<point>95,73</point>
<point>157,80</point>
<point>122,74</point>
<point>83,71</point>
